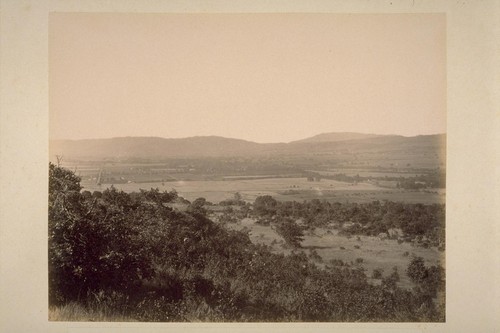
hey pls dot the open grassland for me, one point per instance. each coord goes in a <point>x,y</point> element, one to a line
<point>368,252</point>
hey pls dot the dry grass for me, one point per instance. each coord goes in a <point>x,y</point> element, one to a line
<point>329,245</point>
<point>76,312</point>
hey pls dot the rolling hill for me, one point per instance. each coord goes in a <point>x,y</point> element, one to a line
<point>337,136</point>
<point>214,146</point>
<point>144,147</point>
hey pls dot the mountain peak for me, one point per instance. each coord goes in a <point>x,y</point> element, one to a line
<point>339,136</point>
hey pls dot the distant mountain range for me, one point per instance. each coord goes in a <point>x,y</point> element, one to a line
<point>208,146</point>
<point>339,136</point>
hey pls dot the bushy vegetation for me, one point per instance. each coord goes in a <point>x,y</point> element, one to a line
<point>425,223</point>
<point>292,233</point>
<point>133,255</point>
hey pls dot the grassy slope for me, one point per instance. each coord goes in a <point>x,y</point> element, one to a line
<point>375,252</point>
<point>77,312</point>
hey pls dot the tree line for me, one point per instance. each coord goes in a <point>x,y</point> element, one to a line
<point>416,221</point>
<point>436,179</point>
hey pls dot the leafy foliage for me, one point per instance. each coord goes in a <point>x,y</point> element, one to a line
<point>135,254</point>
<point>414,220</point>
<point>291,232</point>
<point>429,280</point>
<point>265,205</point>
<point>93,243</point>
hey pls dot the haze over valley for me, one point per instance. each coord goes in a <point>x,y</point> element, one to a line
<point>374,166</point>
<point>367,206</point>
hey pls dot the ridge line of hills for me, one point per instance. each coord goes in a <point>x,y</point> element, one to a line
<point>208,146</point>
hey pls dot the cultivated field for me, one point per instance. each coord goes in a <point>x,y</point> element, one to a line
<point>366,173</point>
<point>283,189</point>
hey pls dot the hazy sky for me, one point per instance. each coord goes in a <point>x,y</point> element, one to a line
<point>259,77</point>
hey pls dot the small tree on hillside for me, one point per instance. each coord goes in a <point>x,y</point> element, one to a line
<point>265,205</point>
<point>416,270</point>
<point>292,233</point>
<point>429,279</point>
<point>197,206</point>
<point>238,198</point>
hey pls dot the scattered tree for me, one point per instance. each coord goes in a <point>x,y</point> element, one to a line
<point>292,233</point>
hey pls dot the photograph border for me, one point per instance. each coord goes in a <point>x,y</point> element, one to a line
<point>472,162</point>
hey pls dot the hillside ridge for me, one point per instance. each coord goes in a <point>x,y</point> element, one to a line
<point>208,146</point>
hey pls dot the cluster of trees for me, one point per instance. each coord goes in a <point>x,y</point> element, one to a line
<point>154,263</point>
<point>415,220</point>
<point>428,180</point>
<point>428,280</point>
<point>237,200</point>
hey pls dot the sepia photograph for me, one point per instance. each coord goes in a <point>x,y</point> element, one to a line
<point>233,166</point>
<point>247,167</point>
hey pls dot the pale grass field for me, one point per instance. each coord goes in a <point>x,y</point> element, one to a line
<point>375,252</point>
<point>76,312</point>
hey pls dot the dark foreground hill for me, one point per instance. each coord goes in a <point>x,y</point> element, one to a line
<point>213,146</point>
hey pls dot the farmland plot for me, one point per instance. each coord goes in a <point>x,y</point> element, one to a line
<point>283,189</point>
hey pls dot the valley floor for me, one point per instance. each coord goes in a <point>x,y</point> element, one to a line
<point>283,189</point>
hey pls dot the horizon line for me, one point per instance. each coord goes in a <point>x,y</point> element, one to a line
<point>233,138</point>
